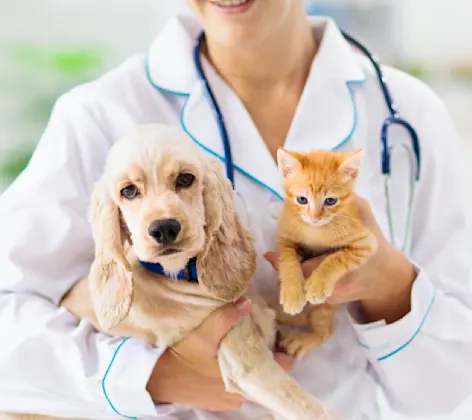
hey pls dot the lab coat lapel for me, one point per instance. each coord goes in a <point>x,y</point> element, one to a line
<point>171,70</point>
<point>169,63</point>
<point>251,157</point>
<point>327,116</point>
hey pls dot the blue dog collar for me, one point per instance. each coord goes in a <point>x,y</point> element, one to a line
<point>189,273</point>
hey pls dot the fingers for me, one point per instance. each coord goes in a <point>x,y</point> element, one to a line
<point>342,293</point>
<point>226,402</point>
<point>367,215</point>
<point>273,259</point>
<point>362,203</point>
<point>286,361</point>
<point>308,266</point>
<point>217,325</point>
<point>311,265</point>
<point>348,289</point>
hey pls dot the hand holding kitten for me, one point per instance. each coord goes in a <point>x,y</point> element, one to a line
<point>323,216</point>
<point>382,285</point>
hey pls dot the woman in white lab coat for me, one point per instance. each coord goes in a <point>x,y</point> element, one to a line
<point>280,79</point>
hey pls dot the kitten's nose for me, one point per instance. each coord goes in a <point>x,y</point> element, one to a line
<point>165,231</point>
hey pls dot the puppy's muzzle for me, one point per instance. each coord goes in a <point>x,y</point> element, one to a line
<point>165,231</point>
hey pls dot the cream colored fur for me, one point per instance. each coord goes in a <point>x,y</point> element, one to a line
<point>122,298</point>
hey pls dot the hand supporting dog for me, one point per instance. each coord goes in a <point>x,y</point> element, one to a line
<point>189,373</point>
<point>172,203</point>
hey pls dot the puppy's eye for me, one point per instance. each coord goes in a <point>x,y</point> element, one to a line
<point>302,200</point>
<point>184,180</point>
<point>330,201</point>
<point>130,192</point>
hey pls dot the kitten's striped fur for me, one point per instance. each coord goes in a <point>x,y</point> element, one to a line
<point>310,221</point>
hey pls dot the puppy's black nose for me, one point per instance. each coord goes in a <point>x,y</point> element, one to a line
<point>164,231</point>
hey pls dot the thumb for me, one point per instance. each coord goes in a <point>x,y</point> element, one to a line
<point>273,259</point>
<point>219,323</point>
<point>367,214</point>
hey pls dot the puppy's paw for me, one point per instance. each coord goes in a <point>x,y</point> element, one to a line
<point>298,344</point>
<point>292,298</point>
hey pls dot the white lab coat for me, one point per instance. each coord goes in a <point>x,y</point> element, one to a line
<point>51,364</point>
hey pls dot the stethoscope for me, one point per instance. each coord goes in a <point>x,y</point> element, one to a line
<point>394,119</point>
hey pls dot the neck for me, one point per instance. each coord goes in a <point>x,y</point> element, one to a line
<point>283,59</point>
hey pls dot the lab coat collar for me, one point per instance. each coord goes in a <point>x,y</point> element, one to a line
<point>326,117</point>
<point>170,61</point>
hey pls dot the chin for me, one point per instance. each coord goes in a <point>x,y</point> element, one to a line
<point>246,31</point>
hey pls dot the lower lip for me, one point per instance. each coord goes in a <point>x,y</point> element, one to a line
<point>233,10</point>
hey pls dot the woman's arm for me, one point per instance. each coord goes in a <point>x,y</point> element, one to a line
<point>413,318</point>
<point>49,363</point>
<point>423,359</point>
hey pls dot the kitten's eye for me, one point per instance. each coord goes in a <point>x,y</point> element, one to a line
<point>184,180</point>
<point>130,192</point>
<point>330,201</point>
<point>302,200</point>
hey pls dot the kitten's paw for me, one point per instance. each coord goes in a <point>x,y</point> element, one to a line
<point>318,291</point>
<point>298,344</point>
<point>292,299</point>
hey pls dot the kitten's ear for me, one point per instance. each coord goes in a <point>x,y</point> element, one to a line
<point>350,167</point>
<point>288,163</point>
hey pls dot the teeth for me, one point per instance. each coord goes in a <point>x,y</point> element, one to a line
<point>229,3</point>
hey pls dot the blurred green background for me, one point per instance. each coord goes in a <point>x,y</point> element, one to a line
<point>66,66</point>
<point>50,46</point>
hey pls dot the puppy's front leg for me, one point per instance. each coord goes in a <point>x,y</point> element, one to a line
<point>249,368</point>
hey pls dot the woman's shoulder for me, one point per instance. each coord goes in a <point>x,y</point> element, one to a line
<point>413,97</point>
<point>411,89</point>
<point>114,86</point>
<point>115,102</point>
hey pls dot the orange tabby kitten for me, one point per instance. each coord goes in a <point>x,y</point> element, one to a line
<point>319,216</point>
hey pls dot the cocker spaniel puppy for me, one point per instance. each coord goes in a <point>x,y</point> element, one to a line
<point>163,202</point>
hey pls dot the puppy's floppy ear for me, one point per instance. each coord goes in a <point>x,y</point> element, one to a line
<point>228,260</point>
<point>110,278</point>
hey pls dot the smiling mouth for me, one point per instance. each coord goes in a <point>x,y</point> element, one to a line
<point>232,5</point>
